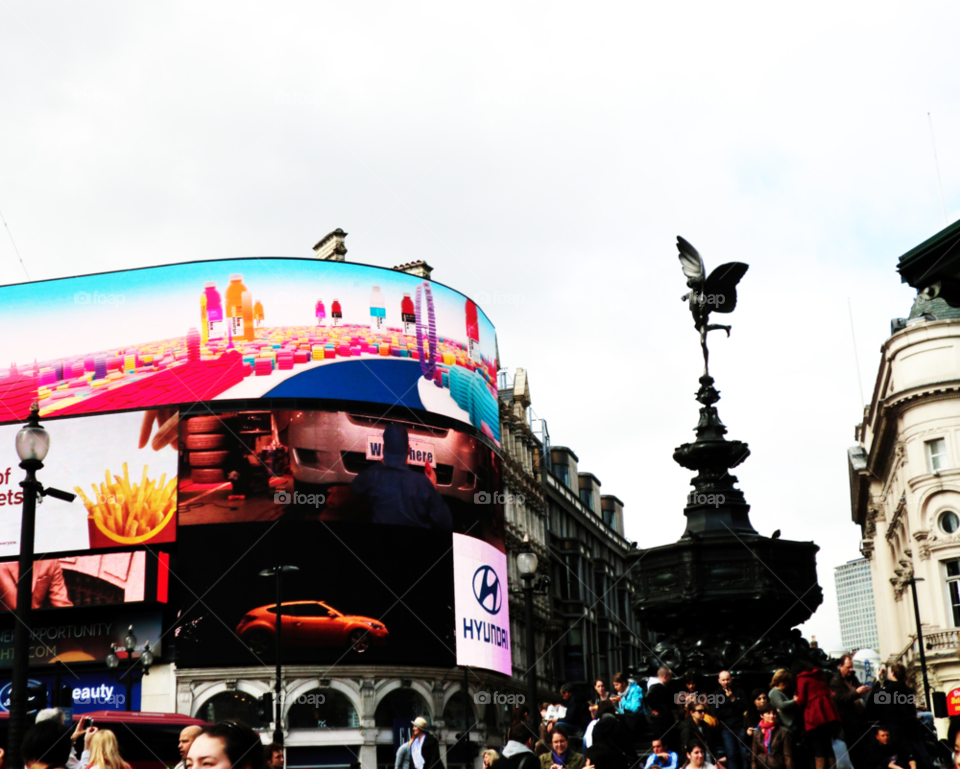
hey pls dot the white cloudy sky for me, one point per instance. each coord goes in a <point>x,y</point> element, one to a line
<point>546,156</point>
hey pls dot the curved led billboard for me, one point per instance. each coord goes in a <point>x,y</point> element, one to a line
<point>238,329</point>
<point>226,416</point>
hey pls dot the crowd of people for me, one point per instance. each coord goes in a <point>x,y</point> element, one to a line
<point>50,744</point>
<point>804,718</point>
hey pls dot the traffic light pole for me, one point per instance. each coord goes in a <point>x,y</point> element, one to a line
<point>22,632</point>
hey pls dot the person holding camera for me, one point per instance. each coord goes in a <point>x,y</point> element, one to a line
<point>848,695</point>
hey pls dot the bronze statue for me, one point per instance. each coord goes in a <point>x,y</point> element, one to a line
<point>717,293</point>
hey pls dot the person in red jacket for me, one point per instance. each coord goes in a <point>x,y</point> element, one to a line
<point>821,719</point>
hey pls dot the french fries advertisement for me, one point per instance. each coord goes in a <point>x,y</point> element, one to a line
<point>126,485</point>
<point>130,512</point>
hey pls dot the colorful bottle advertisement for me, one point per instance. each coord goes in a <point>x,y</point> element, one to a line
<point>132,340</point>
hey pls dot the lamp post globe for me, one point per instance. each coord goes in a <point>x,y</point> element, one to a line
<point>113,661</point>
<point>33,442</point>
<point>527,563</point>
<point>146,658</point>
<point>130,641</point>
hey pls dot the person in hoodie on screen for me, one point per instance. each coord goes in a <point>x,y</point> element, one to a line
<point>397,494</point>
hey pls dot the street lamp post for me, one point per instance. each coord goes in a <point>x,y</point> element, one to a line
<point>137,668</point>
<point>278,572</point>
<point>927,699</point>
<point>33,443</point>
<point>527,562</point>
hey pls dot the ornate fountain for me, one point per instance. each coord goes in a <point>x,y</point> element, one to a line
<point>722,596</point>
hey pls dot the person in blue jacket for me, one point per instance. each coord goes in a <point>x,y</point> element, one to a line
<point>629,697</point>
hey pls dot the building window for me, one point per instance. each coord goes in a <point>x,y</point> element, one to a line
<point>949,522</point>
<point>953,585</point>
<point>232,704</point>
<point>936,455</point>
<point>562,473</point>
<point>586,497</point>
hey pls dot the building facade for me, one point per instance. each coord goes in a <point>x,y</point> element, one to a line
<point>905,472</point>
<point>586,628</point>
<point>858,617</point>
<point>592,584</point>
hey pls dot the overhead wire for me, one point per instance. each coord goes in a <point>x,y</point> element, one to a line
<point>16,250</point>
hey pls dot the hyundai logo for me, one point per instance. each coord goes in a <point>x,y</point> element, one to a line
<point>486,588</point>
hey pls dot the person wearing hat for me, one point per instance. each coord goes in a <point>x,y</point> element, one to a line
<point>424,749</point>
<point>397,494</point>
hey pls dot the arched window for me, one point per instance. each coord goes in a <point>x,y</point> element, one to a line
<point>323,709</point>
<point>453,713</point>
<point>400,703</point>
<point>238,705</point>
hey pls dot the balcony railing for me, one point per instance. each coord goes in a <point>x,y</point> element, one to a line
<point>938,643</point>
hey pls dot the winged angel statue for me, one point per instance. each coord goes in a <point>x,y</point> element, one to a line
<point>716,293</point>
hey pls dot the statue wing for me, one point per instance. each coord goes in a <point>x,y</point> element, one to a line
<point>723,283</point>
<point>690,261</point>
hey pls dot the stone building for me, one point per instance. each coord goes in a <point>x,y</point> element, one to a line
<point>585,623</point>
<point>905,471</point>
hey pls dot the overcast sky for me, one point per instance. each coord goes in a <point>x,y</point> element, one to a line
<point>543,158</point>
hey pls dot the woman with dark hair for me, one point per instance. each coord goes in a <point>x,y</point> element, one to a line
<point>821,719</point>
<point>772,746</point>
<point>758,700</point>
<point>952,748</point>
<point>226,745</point>
<point>697,759</point>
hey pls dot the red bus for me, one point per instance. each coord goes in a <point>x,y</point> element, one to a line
<point>147,740</point>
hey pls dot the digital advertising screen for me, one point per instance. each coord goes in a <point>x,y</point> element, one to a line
<point>370,595</point>
<point>245,329</point>
<point>218,419</point>
<point>80,638</point>
<point>83,580</point>
<point>126,487</point>
<point>330,466</point>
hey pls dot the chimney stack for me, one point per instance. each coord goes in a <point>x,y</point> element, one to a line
<point>419,268</point>
<point>331,247</point>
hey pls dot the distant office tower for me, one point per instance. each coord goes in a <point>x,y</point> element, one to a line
<point>858,618</point>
